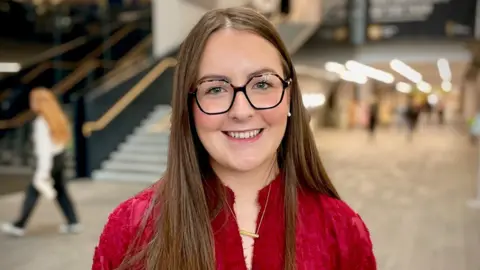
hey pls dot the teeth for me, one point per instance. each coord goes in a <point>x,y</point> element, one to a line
<point>244,135</point>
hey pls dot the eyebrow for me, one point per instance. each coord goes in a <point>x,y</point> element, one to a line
<point>223,77</point>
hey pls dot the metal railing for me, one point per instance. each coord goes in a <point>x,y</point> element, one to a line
<point>132,94</point>
<point>84,68</point>
<point>15,133</point>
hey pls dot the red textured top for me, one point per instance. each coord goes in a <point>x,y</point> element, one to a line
<point>329,235</point>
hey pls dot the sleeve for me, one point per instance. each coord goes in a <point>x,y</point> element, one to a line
<point>43,148</point>
<point>357,254</point>
<point>114,239</point>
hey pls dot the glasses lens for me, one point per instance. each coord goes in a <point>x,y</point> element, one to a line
<point>265,91</point>
<point>214,96</point>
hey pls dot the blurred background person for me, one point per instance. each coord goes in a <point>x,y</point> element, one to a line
<point>373,117</point>
<point>51,134</point>
<point>412,114</point>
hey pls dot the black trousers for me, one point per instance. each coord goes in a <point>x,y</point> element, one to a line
<point>63,198</point>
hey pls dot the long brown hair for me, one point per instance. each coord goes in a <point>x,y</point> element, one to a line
<point>49,108</point>
<point>183,238</point>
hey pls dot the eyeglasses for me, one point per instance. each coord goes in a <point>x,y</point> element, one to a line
<point>263,92</point>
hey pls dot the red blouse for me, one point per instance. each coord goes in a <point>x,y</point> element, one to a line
<point>329,235</point>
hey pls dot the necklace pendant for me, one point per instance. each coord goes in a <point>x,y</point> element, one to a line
<point>249,234</point>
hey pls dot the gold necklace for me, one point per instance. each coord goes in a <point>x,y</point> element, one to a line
<point>253,234</point>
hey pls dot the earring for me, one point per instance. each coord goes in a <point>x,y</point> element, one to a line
<point>289,114</point>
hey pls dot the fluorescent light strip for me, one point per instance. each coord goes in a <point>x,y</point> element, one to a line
<point>403,87</point>
<point>334,67</point>
<point>313,100</point>
<point>444,69</point>
<point>446,86</point>
<point>406,71</point>
<point>370,72</point>
<point>10,67</point>
<point>351,76</point>
<point>346,74</point>
<point>424,87</point>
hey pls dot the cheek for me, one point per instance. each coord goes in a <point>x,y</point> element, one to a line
<point>276,116</point>
<point>206,123</point>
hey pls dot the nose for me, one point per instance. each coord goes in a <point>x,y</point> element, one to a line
<point>241,108</point>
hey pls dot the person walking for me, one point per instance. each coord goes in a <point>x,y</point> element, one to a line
<point>51,134</point>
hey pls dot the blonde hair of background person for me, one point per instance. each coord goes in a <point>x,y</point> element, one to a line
<point>46,105</point>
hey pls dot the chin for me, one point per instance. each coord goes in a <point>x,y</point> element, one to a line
<point>244,165</point>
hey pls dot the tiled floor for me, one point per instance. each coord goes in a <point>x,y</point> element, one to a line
<point>412,196</point>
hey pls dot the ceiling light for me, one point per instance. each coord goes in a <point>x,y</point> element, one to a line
<point>403,87</point>
<point>313,100</point>
<point>334,67</point>
<point>424,87</point>
<point>406,71</point>
<point>444,69</point>
<point>432,99</point>
<point>10,67</point>
<point>370,72</point>
<point>351,76</point>
<point>446,86</point>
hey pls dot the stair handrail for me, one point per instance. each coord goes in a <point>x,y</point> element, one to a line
<point>55,51</point>
<point>129,58</point>
<point>86,65</point>
<point>112,40</point>
<point>89,127</point>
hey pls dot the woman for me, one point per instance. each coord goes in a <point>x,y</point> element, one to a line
<point>51,134</point>
<point>244,187</point>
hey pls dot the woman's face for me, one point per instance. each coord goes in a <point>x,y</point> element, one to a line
<point>231,138</point>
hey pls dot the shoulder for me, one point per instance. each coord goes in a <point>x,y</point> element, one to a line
<point>336,213</point>
<point>342,218</point>
<point>340,227</point>
<point>351,233</point>
<point>121,229</point>
<point>326,206</point>
<point>130,212</point>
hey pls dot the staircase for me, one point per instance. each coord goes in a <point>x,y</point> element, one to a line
<point>143,156</point>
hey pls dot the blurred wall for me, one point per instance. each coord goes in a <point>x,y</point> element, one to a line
<point>232,3</point>
<point>173,20</point>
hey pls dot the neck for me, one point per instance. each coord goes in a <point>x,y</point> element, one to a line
<point>247,182</point>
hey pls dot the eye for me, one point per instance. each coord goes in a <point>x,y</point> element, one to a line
<point>214,90</point>
<point>262,85</point>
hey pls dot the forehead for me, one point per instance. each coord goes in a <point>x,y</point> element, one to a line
<point>235,54</point>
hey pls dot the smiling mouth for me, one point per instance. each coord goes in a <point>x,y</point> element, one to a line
<point>250,134</point>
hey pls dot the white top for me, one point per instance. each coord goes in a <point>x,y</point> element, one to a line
<point>44,148</point>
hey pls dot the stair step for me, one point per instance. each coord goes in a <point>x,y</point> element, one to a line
<point>151,129</point>
<point>120,166</point>
<point>142,157</point>
<point>147,149</point>
<point>149,138</point>
<point>158,114</point>
<point>125,177</point>
<point>136,158</point>
<point>162,108</point>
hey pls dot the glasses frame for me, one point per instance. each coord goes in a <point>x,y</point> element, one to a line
<point>285,84</point>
